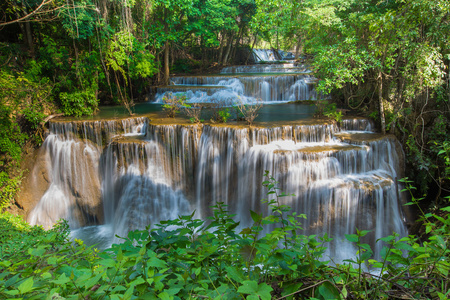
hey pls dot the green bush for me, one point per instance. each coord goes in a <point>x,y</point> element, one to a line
<point>173,104</point>
<point>187,258</point>
<point>79,103</point>
<point>9,186</point>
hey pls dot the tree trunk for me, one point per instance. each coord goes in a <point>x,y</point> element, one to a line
<point>172,56</point>
<point>29,33</point>
<point>278,45</point>
<point>227,52</point>
<point>158,75</point>
<point>222,44</point>
<point>166,52</point>
<point>236,45</point>
<point>380,103</point>
<point>251,50</point>
<point>29,38</point>
<point>298,48</point>
<point>203,49</point>
<point>166,63</point>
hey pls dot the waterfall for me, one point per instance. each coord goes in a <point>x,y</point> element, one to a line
<point>246,88</point>
<point>72,152</point>
<point>127,174</point>
<point>275,82</point>
<point>265,55</point>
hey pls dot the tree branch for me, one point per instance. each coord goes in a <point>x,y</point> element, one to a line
<point>44,3</point>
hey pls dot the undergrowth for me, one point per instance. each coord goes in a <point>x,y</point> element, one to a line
<point>188,258</point>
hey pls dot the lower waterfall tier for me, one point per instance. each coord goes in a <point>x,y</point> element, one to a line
<point>131,174</point>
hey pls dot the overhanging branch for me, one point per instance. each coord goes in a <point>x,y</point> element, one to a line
<point>37,10</point>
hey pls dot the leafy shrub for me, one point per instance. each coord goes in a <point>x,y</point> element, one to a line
<point>9,186</point>
<point>79,103</point>
<point>249,112</point>
<point>329,110</point>
<point>188,258</point>
<point>173,104</point>
<point>220,109</point>
<point>193,112</point>
<point>223,115</point>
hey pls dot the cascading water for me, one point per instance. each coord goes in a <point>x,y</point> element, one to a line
<point>111,176</point>
<point>265,55</point>
<point>144,173</point>
<point>269,83</point>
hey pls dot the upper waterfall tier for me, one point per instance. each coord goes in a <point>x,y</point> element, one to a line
<point>260,55</point>
<point>267,68</point>
<point>274,82</point>
<point>243,88</point>
<point>129,173</point>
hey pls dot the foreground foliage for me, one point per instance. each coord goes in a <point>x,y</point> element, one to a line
<point>189,258</point>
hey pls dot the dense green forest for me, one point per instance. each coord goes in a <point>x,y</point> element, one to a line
<point>389,60</point>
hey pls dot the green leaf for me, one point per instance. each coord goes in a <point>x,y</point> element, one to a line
<point>119,255</point>
<point>156,262</point>
<point>248,287</point>
<point>92,281</point>
<point>165,296</point>
<point>26,286</point>
<point>11,292</point>
<point>328,291</point>
<point>352,238</point>
<point>253,289</point>
<point>107,262</point>
<point>403,246</point>
<point>255,216</point>
<point>63,279</point>
<point>129,293</point>
<point>37,252</point>
<point>235,274</point>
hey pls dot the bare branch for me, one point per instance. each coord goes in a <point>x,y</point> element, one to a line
<point>37,10</point>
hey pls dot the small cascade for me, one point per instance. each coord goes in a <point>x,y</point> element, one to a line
<point>127,174</point>
<point>357,124</point>
<point>247,88</point>
<point>139,189</point>
<point>264,55</point>
<point>275,82</point>
<point>267,68</point>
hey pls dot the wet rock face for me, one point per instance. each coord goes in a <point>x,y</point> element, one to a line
<point>35,182</point>
<point>84,185</point>
<point>65,179</point>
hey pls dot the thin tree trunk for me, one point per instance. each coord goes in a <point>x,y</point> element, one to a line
<point>227,52</point>
<point>166,63</point>
<point>172,56</point>
<point>251,50</point>
<point>203,53</point>
<point>28,31</point>
<point>298,48</point>
<point>166,52</point>
<point>158,76</point>
<point>278,45</point>
<point>222,43</point>
<point>236,45</point>
<point>380,103</point>
<point>29,38</point>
